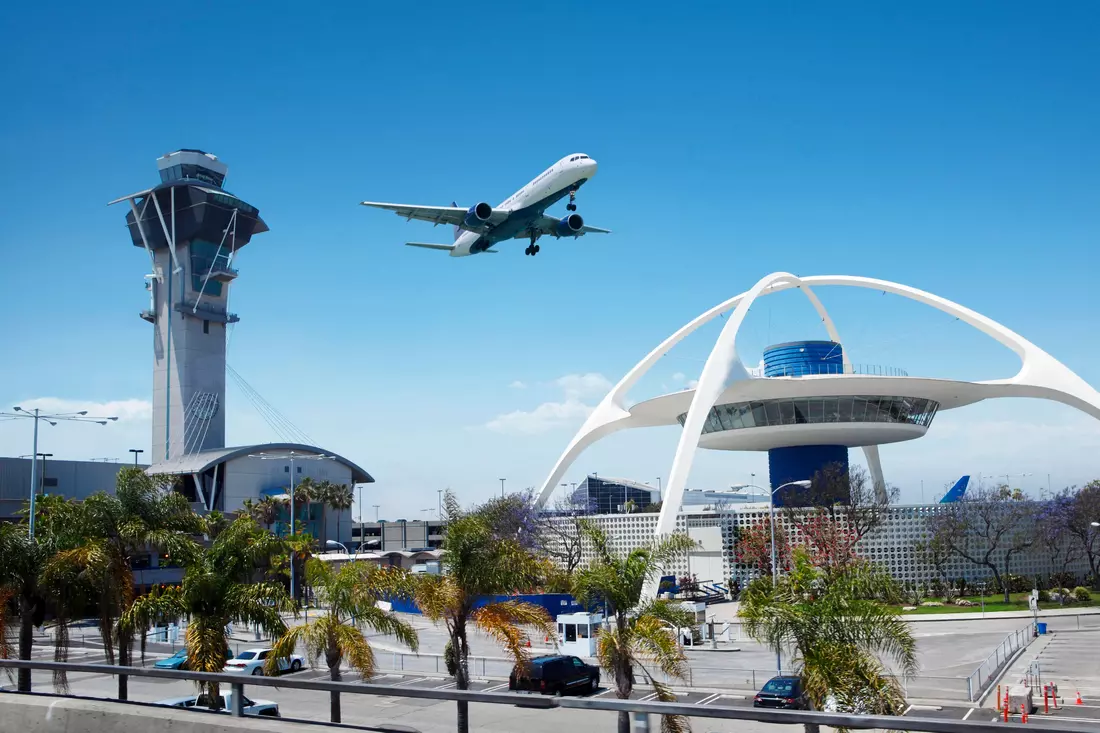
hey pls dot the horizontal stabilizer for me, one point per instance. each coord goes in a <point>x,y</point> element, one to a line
<point>431,245</point>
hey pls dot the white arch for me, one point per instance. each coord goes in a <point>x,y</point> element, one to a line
<point>611,415</point>
<point>1040,375</point>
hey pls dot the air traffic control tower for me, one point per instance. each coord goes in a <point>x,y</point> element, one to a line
<point>192,230</point>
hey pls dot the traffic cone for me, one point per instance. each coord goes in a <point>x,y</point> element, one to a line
<point>1023,713</point>
<point>1079,698</point>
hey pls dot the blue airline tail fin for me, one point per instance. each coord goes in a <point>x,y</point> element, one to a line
<point>458,229</point>
<point>957,491</point>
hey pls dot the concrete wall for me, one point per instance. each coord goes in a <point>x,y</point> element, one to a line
<point>75,479</point>
<point>48,714</point>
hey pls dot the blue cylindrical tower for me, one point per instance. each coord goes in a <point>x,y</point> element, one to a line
<point>798,463</point>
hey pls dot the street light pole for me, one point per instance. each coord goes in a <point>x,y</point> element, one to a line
<point>440,510</point>
<point>136,451</point>
<point>42,478</point>
<point>36,414</point>
<point>771,526</point>
<point>292,456</point>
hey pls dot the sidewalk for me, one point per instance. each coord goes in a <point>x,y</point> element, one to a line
<point>978,615</point>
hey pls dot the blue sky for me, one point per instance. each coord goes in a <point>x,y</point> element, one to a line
<point>948,146</point>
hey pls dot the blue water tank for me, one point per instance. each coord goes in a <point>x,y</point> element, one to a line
<point>800,358</point>
<point>802,462</point>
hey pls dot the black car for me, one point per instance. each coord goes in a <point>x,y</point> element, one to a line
<point>782,692</point>
<point>555,674</point>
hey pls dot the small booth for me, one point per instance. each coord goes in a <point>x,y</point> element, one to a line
<point>577,633</point>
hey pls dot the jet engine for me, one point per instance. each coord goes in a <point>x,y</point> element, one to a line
<point>570,225</point>
<point>478,214</point>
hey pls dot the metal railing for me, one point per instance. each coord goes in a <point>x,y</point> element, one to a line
<point>810,370</point>
<point>640,710</point>
<point>982,678</point>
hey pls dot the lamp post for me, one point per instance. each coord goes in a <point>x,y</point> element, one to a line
<point>440,502</point>
<point>292,456</point>
<point>52,418</point>
<point>771,526</point>
<point>42,479</point>
<point>136,451</point>
<point>502,488</point>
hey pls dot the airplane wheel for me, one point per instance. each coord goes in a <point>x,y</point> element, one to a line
<point>571,207</point>
<point>536,250</point>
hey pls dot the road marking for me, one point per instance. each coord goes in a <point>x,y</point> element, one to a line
<point>710,699</point>
<point>444,687</point>
<point>907,711</point>
<point>408,681</point>
<point>968,712</point>
<point>648,697</point>
<point>600,694</point>
<point>495,687</point>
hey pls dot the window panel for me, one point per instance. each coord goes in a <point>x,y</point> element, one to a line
<point>759,414</point>
<point>815,410</point>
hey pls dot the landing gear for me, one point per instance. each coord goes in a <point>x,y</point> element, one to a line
<point>532,249</point>
<point>572,205</point>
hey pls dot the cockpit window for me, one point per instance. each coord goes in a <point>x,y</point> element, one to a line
<point>582,157</point>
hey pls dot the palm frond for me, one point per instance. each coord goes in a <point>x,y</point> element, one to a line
<point>504,622</point>
<point>388,623</point>
<point>349,640</point>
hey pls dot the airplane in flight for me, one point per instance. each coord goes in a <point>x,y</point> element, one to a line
<point>520,216</point>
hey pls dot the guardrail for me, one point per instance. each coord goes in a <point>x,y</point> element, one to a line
<point>982,678</point>
<point>640,710</point>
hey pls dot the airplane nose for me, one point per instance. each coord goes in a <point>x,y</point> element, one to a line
<point>590,167</point>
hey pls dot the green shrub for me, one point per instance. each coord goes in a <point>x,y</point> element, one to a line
<point>1044,596</point>
<point>1081,594</point>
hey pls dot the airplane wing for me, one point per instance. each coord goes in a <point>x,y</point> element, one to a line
<point>453,215</point>
<point>548,226</point>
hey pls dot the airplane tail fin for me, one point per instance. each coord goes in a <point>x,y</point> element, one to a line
<point>458,229</point>
<point>957,491</point>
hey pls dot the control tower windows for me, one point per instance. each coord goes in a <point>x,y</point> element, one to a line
<point>204,256</point>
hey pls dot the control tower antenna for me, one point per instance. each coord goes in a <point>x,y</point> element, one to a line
<point>192,230</point>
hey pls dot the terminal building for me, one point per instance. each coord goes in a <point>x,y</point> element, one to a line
<point>193,230</point>
<point>808,408</point>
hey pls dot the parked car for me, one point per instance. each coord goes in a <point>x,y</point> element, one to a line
<point>265,708</point>
<point>176,661</point>
<point>555,674</point>
<point>782,692</point>
<point>251,661</point>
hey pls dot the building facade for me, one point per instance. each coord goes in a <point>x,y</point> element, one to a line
<point>895,544</point>
<point>71,479</point>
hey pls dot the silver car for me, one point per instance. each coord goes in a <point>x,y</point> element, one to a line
<point>266,708</point>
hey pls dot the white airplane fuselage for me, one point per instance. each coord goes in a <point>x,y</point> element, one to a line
<point>530,203</point>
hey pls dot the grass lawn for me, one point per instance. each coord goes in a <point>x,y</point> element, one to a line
<point>996,603</point>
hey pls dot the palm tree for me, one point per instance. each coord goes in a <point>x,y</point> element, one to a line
<point>639,633</point>
<point>220,587</point>
<point>24,560</point>
<point>478,564</point>
<point>350,595</point>
<point>341,499</point>
<point>266,511</point>
<point>836,629</point>
<point>143,514</point>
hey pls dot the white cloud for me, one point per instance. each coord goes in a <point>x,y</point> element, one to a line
<point>545,417</point>
<point>518,385</point>
<point>577,386</point>
<point>568,412</point>
<point>124,410</point>
<point>678,377</point>
<point>693,383</point>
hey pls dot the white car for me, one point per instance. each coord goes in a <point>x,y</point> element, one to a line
<point>251,661</point>
<point>265,708</point>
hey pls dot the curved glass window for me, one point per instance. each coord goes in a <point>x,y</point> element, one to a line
<point>812,410</point>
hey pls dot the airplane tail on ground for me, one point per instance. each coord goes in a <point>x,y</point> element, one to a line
<point>458,229</point>
<point>956,492</point>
